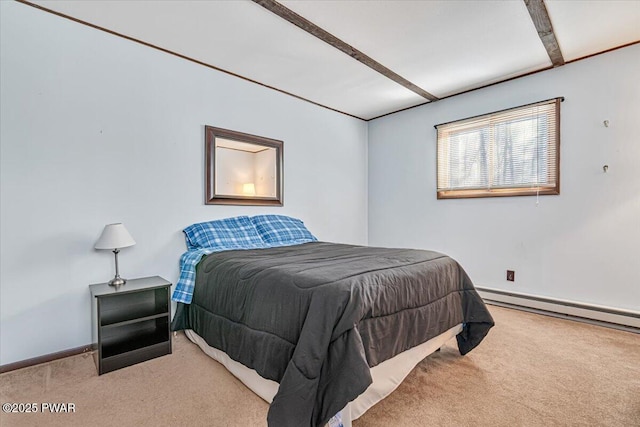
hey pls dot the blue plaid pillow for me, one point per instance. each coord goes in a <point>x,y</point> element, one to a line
<point>228,233</point>
<point>280,229</point>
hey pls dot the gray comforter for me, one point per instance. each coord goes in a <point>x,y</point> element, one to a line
<point>315,317</point>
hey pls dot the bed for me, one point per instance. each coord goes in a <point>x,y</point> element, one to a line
<point>317,328</point>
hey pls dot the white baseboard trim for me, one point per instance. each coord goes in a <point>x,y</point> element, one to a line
<point>627,320</point>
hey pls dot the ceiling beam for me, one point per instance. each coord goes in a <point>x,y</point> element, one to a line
<point>542,22</point>
<point>311,28</point>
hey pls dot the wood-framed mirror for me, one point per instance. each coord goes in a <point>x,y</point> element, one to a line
<point>242,169</point>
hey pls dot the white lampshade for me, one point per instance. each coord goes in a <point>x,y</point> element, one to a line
<point>249,189</point>
<point>114,236</point>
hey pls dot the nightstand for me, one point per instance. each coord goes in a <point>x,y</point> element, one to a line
<point>131,323</point>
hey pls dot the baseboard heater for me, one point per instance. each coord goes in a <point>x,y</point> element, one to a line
<point>626,320</point>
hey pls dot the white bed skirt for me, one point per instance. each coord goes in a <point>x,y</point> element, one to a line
<point>387,376</point>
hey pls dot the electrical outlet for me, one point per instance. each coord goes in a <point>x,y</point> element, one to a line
<point>511,275</point>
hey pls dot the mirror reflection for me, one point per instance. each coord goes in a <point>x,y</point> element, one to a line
<point>245,169</point>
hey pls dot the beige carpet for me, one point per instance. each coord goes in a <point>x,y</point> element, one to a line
<point>531,370</point>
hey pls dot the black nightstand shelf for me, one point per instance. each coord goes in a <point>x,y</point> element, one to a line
<point>131,323</point>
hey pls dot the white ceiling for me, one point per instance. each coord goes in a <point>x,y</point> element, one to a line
<point>444,47</point>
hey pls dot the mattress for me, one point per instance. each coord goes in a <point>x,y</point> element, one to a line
<point>316,318</point>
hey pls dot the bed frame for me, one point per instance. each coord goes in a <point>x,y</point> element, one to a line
<point>387,375</point>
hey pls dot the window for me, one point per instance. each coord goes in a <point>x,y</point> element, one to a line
<point>513,152</point>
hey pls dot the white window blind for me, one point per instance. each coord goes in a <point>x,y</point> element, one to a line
<point>513,152</point>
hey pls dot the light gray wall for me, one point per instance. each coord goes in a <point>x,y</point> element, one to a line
<point>583,245</point>
<point>265,172</point>
<point>233,169</point>
<point>97,129</point>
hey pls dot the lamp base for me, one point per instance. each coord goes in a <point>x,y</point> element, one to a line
<point>117,281</point>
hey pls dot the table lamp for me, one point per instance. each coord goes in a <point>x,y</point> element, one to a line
<point>249,189</point>
<point>115,236</point>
